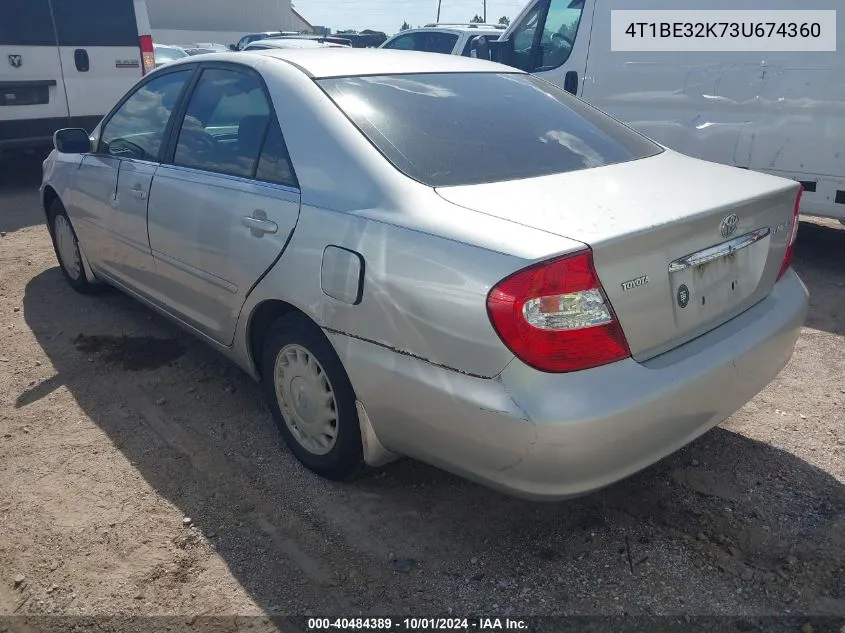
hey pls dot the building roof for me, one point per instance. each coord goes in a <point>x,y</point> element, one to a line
<point>299,15</point>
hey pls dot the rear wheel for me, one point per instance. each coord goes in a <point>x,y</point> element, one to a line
<point>311,398</point>
<point>66,246</point>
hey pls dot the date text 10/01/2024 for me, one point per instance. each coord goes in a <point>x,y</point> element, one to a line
<point>416,624</point>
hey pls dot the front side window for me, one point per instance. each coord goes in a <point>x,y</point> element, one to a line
<point>136,130</point>
<point>469,128</point>
<point>557,39</point>
<point>225,124</point>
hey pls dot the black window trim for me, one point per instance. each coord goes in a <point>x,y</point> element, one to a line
<point>169,127</point>
<point>178,115</point>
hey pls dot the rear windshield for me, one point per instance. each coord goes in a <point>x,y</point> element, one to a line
<point>26,23</point>
<point>95,22</point>
<point>169,54</point>
<point>470,128</point>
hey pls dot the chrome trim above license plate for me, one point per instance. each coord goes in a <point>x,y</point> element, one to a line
<point>718,251</point>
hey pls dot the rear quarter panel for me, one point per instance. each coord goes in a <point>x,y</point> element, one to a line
<point>428,264</point>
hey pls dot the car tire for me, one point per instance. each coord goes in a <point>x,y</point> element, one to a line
<point>311,398</point>
<point>66,247</point>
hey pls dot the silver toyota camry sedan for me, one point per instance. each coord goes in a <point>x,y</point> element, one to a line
<point>437,257</point>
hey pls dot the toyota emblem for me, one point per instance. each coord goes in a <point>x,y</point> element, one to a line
<point>15,61</point>
<point>728,225</point>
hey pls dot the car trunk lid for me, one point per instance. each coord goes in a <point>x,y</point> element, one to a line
<point>680,245</point>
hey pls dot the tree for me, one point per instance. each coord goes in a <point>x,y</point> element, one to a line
<point>477,20</point>
<point>405,26</point>
<point>504,20</point>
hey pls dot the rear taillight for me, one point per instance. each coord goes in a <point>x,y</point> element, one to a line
<point>793,234</point>
<point>148,57</point>
<point>554,316</point>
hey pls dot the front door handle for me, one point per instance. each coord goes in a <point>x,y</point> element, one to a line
<point>570,82</point>
<point>138,193</point>
<point>258,223</point>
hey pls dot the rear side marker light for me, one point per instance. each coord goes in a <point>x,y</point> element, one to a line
<point>555,317</point>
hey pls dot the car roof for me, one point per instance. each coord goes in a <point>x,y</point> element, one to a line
<point>478,26</point>
<point>482,29</point>
<point>291,42</point>
<point>346,62</point>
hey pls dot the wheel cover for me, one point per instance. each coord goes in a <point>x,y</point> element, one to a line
<point>306,399</point>
<point>67,246</point>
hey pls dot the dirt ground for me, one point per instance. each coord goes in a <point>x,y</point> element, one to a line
<point>140,473</point>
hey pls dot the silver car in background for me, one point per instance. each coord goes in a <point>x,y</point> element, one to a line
<point>438,257</point>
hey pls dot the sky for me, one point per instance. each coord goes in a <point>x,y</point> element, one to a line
<point>388,15</point>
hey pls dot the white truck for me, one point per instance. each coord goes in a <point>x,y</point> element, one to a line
<point>777,112</point>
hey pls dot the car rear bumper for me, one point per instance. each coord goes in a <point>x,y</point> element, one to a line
<point>552,436</point>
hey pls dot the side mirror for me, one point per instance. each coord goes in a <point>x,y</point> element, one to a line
<point>233,47</point>
<point>72,141</point>
<point>494,50</point>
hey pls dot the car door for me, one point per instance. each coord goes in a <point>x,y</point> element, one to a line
<point>109,202</point>
<point>222,210</point>
<point>551,39</point>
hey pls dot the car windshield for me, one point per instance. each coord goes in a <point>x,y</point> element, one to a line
<point>469,128</point>
<point>169,54</point>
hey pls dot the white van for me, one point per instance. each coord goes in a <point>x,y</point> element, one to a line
<point>64,63</point>
<point>782,113</point>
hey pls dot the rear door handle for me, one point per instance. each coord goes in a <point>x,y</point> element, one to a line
<point>138,193</point>
<point>258,224</point>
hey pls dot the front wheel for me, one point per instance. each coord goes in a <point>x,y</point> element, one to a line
<point>311,398</point>
<point>66,246</point>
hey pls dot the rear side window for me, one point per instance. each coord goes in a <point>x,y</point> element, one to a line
<point>85,23</point>
<point>425,41</point>
<point>225,124</point>
<point>26,23</point>
<point>438,42</point>
<point>274,164</point>
<point>470,128</point>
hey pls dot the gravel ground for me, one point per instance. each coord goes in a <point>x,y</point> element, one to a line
<point>140,473</point>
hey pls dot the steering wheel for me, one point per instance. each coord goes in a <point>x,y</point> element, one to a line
<point>558,39</point>
<point>199,141</point>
